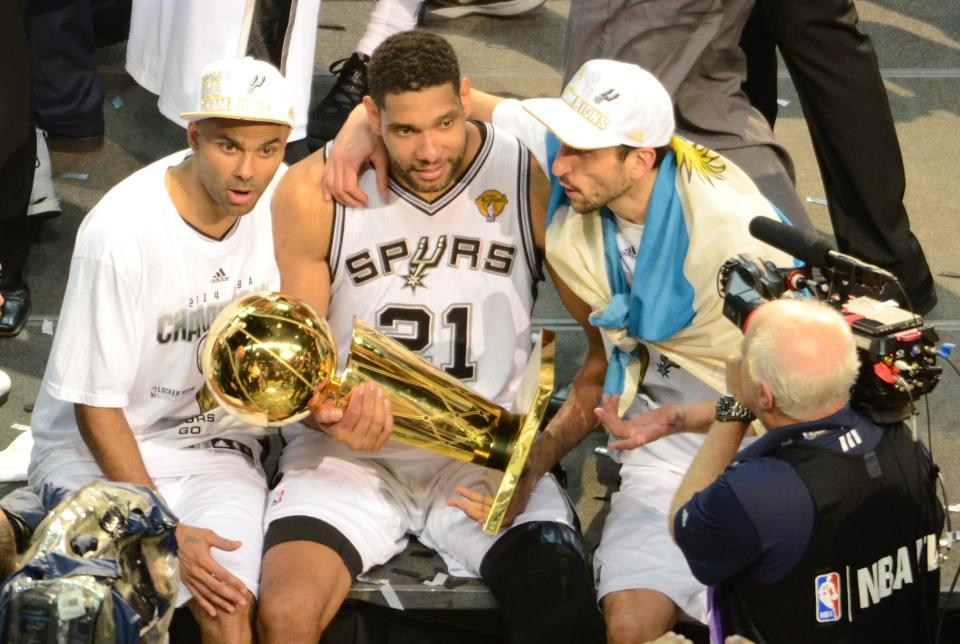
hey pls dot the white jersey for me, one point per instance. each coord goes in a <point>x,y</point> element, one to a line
<point>453,279</point>
<point>143,289</point>
<point>171,41</point>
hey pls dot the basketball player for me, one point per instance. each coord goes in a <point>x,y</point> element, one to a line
<point>447,263</point>
<point>155,261</point>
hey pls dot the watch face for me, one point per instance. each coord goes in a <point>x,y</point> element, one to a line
<point>728,409</point>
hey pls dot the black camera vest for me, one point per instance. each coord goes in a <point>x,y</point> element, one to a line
<point>864,576</point>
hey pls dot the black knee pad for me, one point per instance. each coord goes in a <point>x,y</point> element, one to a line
<point>539,576</point>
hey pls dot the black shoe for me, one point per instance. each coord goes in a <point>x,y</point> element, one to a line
<point>327,116</point>
<point>923,299</point>
<point>448,9</point>
<point>920,298</point>
<point>15,310</point>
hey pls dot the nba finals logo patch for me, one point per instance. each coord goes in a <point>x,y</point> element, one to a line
<point>828,597</point>
<point>490,204</point>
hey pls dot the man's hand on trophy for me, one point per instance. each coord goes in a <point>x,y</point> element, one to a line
<point>211,584</point>
<point>366,423</point>
<point>639,430</point>
<point>355,145</point>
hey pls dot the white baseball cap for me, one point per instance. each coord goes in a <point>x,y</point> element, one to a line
<point>608,103</point>
<point>245,89</point>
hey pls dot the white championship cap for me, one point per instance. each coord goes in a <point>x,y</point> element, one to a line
<point>245,89</point>
<point>608,103</point>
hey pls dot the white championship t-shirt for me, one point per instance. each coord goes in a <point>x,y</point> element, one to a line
<point>143,289</point>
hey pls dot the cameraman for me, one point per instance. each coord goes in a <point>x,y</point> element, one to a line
<point>815,531</point>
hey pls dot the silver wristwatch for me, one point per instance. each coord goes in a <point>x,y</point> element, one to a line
<point>729,409</point>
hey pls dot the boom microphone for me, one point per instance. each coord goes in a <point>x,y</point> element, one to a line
<point>806,246</point>
<point>815,251</point>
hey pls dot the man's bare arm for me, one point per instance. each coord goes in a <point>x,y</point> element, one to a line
<point>645,428</point>
<point>302,224</point>
<point>107,434</point>
<point>576,418</point>
<point>572,422</point>
<point>482,105</point>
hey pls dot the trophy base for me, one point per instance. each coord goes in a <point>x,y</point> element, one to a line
<point>541,377</point>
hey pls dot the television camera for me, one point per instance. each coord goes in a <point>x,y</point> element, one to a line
<point>897,350</point>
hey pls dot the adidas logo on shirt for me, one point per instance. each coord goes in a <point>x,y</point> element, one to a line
<point>850,440</point>
<point>219,276</point>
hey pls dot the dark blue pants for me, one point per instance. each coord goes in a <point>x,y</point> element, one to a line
<point>67,92</point>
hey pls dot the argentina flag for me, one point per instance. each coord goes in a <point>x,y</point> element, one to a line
<point>697,218</point>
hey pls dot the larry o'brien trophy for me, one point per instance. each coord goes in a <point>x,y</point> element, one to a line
<point>267,353</point>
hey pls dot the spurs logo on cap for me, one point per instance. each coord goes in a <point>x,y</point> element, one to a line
<point>612,103</point>
<point>245,89</point>
<point>609,95</point>
<point>257,81</point>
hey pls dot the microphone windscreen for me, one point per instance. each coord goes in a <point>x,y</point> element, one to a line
<point>805,246</point>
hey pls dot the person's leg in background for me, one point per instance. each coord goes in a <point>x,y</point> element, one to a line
<point>67,92</point>
<point>111,21</point>
<point>760,48</point>
<point>848,113</point>
<point>17,159</point>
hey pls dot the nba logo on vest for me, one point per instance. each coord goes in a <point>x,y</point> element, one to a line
<point>828,597</point>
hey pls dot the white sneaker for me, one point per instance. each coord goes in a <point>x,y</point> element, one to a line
<point>43,202</point>
<point>448,9</point>
<point>4,386</point>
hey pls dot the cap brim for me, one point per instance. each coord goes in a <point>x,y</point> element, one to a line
<point>198,116</point>
<point>568,126</point>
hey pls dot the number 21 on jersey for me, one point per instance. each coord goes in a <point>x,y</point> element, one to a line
<point>413,327</point>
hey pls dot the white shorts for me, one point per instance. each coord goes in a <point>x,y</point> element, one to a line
<point>229,503</point>
<point>228,500</point>
<point>636,549</point>
<point>376,502</point>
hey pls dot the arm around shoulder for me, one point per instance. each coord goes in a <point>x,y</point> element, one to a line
<point>482,105</point>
